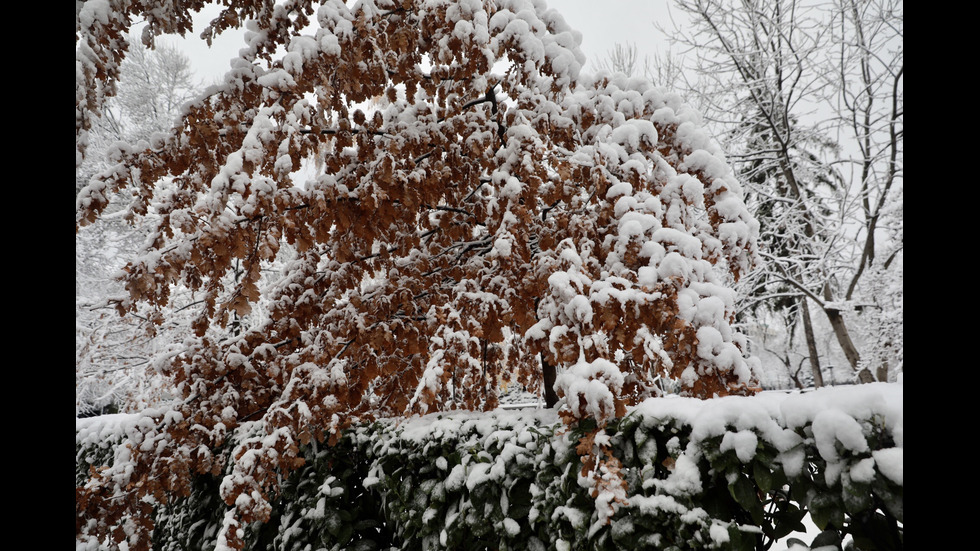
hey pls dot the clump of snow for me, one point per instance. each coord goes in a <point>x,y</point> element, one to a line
<point>890,463</point>
<point>719,534</point>
<point>744,443</point>
<point>512,527</point>
<point>590,388</point>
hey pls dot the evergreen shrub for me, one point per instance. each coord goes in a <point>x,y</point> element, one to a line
<point>730,473</point>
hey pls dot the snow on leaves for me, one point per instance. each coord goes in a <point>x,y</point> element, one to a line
<point>474,204</point>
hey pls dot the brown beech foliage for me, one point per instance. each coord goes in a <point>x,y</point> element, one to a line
<point>472,206</point>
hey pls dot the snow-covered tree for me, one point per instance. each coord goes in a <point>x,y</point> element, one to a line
<point>808,97</point>
<point>458,194</point>
<point>114,354</point>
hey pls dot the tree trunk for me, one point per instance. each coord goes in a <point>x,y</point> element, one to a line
<point>793,375</point>
<point>549,372</point>
<point>844,338</point>
<point>811,344</point>
<point>883,371</point>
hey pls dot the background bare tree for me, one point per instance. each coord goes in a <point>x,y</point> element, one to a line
<point>809,97</point>
<point>113,353</point>
<point>661,68</point>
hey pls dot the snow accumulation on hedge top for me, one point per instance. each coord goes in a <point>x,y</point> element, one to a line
<point>678,453</point>
<point>833,414</point>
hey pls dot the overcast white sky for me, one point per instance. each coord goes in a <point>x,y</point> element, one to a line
<point>602,23</point>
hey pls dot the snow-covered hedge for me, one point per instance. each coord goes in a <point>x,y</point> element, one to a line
<point>720,473</point>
